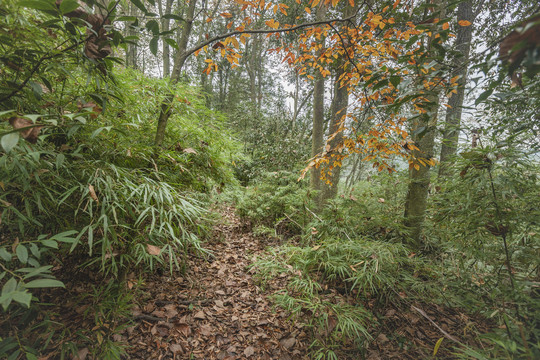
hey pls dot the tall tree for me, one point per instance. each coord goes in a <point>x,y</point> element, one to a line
<point>317,140</point>
<point>131,53</point>
<point>179,60</point>
<point>338,110</point>
<point>165,26</point>
<point>454,112</point>
<point>423,134</point>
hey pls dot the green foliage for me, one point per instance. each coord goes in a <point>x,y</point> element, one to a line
<point>93,191</point>
<point>352,247</point>
<point>272,142</point>
<point>279,201</point>
<point>478,218</point>
<point>198,151</point>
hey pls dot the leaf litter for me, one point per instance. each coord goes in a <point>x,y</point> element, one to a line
<point>217,311</point>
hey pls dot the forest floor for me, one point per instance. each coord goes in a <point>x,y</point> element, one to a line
<point>217,310</point>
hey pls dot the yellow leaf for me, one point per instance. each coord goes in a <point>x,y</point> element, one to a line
<point>445,26</point>
<point>437,346</point>
<point>226,15</point>
<point>308,10</point>
<point>464,23</point>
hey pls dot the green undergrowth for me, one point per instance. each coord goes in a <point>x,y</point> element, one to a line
<point>483,222</point>
<point>95,195</point>
<point>349,260</point>
<point>340,258</point>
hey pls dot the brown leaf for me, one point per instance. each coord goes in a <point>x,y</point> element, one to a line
<point>93,193</point>
<point>153,250</point>
<point>288,343</point>
<point>190,151</point>
<point>206,330</point>
<point>176,348</point>
<point>514,46</point>
<point>183,329</point>
<point>199,315</point>
<point>14,245</point>
<point>30,134</point>
<point>81,354</point>
<point>382,339</point>
<point>171,310</point>
<point>249,351</point>
<point>218,45</point>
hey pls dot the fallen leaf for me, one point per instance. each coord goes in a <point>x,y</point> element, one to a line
<point>183,329</point>
<point>190,151</point>
<point>29,134</point>
<point>382,339</point>
<point>176,348</point>
<point>288,343</point>
<point>206,330</point>
<point>93,193</point>
<point>199,315</point>
<point>81,354</point>
<point>153,250</point>
<point>249,351</point>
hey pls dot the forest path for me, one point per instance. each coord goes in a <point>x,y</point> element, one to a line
<point>216,310</point>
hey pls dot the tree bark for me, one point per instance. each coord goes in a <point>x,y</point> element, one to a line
<point>317,136</point>
<point>338,110</point>
<point>179,60</point>
<point>453,113</point>
<point>131,52</point>
<point>423,131</point>
<point>165,26</point>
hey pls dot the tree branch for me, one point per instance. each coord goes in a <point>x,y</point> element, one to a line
<point>264,31</point>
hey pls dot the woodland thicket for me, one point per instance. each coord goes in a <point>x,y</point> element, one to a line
<point>387,150</point>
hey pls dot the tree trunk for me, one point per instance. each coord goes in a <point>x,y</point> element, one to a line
<point>131,52</point>
<point>165,26</point>
<point>338,110</point>
<point>179,60</point>
<point>423,131</point>
<point>317,136</point>
<point>453,114</point>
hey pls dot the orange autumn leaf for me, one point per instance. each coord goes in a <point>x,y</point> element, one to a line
<point>445,26</point>
<point>464,23</point>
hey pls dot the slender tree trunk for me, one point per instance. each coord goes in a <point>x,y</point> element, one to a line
<point>352,175</point>
<point>453,114</point>
<point>165,25</point>
<point>317,136</point>
<point>131,52</point>
<point>179,60</point>
<point>423,131</point>
<point>338,110</point>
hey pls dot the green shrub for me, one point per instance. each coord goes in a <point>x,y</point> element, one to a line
<point>277,201</point>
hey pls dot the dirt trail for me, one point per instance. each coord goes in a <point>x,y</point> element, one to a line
<point>215,311</point>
